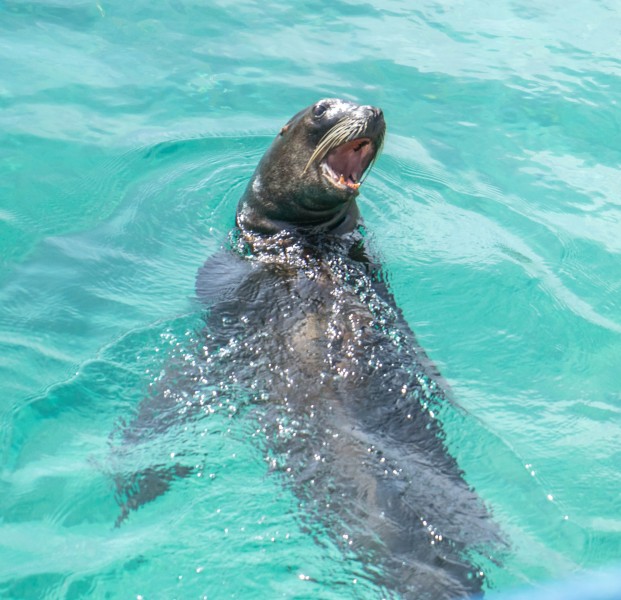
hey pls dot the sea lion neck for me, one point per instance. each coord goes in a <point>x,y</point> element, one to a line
<point>310,176</point>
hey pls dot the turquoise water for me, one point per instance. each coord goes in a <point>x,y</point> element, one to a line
<point>127,134</point>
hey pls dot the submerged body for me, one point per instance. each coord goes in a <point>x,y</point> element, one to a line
<point>301,314</point>
<point>352,404</point>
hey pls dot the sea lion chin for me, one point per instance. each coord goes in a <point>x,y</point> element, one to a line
<point>310,176</point>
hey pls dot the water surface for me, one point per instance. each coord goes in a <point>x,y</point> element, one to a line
<point>128,132</point>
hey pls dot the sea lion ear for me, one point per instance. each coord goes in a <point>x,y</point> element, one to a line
<point>284,130</point>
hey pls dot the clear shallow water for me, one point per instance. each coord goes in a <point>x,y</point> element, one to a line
<point>128,133</point>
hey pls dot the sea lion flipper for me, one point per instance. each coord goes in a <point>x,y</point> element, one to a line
<point>220,276</point>
<point>144,486</point>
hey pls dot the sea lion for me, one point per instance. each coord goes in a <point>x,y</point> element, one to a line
<point>299,311</point>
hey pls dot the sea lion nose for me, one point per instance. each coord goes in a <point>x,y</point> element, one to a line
<point>375,120</point>
<point>375,112</point>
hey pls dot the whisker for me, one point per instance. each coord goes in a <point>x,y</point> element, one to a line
<point>339,134</point>
<point>343,131</point>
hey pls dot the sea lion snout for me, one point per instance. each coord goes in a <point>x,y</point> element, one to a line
<point>376,124</point>
<point>377,112</point>
<point>373,113</point>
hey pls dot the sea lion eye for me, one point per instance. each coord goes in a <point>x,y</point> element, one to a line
<point>319,110</point>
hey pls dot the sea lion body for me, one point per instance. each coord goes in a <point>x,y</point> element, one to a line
<point>304,316</point>
<point>351,402</point>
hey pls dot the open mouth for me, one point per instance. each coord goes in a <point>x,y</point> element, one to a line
<point>345,165</point>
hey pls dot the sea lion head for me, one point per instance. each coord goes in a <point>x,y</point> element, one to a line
<point>310,176</point>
